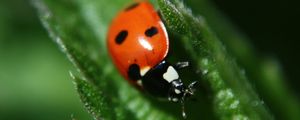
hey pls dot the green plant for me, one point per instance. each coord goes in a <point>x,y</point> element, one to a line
<point>79,28</point>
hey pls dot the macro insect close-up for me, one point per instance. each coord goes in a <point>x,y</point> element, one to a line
<point>149,60</point>
<point>138,43</point>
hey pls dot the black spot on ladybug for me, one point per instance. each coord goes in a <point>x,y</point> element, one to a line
<point>132,6</point>
<point>121,36</point>
<point>151,31</point>
<point>134,72</point>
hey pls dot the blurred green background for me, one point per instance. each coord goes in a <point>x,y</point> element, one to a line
<point>273,27</point>
<point>34,78</point>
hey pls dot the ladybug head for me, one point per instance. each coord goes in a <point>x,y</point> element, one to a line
<point>178,92</point>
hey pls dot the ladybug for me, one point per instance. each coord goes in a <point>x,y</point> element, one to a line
<point>138,44</point>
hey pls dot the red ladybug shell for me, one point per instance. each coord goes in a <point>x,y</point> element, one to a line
<point>137,36</point>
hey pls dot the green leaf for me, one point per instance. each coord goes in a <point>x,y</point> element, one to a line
<point>93,99</point>
<point>232,93</point>
<point>263,72</point>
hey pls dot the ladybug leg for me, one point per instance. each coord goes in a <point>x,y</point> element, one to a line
<point>192,87</point>
<point>180,65</point>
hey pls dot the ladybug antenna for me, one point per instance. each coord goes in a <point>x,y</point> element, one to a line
<point>188,92</point>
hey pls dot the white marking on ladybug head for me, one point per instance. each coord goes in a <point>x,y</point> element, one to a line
<point>175,99</point>
<point>139,82</point>
<point>177,91</point>
<point>171,74</point>
<point>144,70</point>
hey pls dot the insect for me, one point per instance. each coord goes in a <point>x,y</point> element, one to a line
<point>138,44</point>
